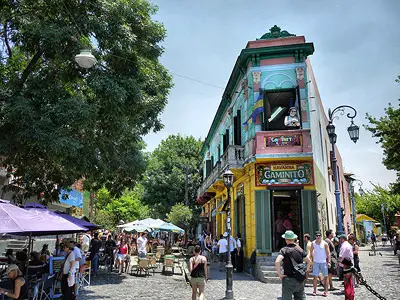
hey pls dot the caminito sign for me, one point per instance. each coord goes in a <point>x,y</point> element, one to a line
<point>285,174</point>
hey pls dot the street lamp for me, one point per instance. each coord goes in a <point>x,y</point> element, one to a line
<point>353,131</point>
<point>228,181</point>
<point>85,59</point>
<point>353,202</point>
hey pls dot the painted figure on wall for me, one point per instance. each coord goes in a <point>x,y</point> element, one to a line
<point>292,120</point>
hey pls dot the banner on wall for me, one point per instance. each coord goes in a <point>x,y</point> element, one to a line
<point>294,173</point>
<point>71,197</point>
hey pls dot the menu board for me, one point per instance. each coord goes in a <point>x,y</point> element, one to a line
<point>56,263</point>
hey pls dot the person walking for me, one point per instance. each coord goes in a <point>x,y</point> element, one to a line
<point>122,252</point>
<point>142,245</point>
<point>287,255</point>
<point>222,250</point>
<point>198,273</point>
<point>356,258</point>
<point>94,249</point>
<point>207,246</point>
<point>321,257</point>
<point>240,253</point>
<point>307,244</point>
<point>232,250</point>
<point>332,269</point>
<point>346,249</point>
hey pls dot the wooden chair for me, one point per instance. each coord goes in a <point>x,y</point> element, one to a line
<point>134,263</point>
<point>169,262</point>
<point>153,264</point>
<point>158,256</point>
<point>143,266</point>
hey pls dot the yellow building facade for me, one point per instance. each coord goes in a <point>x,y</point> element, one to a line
<point>269,130</point>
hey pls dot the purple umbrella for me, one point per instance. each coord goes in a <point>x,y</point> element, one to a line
<point>34,222</point>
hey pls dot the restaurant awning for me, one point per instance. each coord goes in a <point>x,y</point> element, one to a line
<point>35,222</point>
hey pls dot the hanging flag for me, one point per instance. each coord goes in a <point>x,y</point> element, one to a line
<point>257,109</point>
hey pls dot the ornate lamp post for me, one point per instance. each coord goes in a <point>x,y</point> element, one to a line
<point>353,131</point>
<point>353,202</point>
<point>228,181</point>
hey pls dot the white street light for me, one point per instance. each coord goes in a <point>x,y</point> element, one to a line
<point>85,59</point>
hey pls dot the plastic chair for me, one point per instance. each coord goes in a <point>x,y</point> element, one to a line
<point>85,275</point>
<point>47,291</point>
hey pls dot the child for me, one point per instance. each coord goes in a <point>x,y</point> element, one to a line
<point>348,271</point>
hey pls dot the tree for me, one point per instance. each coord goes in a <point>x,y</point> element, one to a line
<point>371,204</point>
<point>60,122</point>
<point>165,178</point>
<point>387,130</point>
<point>110,211</point>
<point>180,215</point>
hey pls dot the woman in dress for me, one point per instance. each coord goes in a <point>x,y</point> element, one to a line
<point>198,272</point>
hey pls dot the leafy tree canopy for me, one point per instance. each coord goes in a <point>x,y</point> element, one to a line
<point>387,130</point>
<point>165,178</point>
<point>128,207</point>
<point>180,215</point>
<point>60,122</point>
<point>371,204</point>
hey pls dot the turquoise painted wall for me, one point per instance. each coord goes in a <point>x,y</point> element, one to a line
<point>272,77</point>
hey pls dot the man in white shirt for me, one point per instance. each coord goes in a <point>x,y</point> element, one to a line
<point>222,250</point>
<point>321,257</point>
<point>142,243</point>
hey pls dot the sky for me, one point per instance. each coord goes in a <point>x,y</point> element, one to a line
<point>356,62</point>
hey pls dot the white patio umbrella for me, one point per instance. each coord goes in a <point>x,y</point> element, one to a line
<point>137,228</point>
<point>130,224</point>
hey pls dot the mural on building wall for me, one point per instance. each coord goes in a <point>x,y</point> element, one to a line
<point>300,173</point>
<point>283,140</point>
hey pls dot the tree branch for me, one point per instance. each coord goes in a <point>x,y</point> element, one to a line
<point>29,68</point>
<point>6,40</point>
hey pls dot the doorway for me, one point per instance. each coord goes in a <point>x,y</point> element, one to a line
<point>286,215</point>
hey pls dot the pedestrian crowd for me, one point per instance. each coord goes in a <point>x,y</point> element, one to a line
<point>322,260</point>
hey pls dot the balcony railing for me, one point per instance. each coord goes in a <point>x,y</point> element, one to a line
<point>233,158</point>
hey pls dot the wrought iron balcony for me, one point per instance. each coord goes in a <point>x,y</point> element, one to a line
<point>233,157</point>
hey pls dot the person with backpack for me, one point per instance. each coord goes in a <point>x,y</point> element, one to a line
<point>294,269</point>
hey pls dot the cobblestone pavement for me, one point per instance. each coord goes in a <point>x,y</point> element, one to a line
<point>125,286</point>
<point>382,273</point>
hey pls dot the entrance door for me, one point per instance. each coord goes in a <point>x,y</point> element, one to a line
<point>286,215</point>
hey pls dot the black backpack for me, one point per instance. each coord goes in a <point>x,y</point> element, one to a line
<point>299,269</point>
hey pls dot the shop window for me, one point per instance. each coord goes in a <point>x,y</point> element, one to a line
<point>282,110</point>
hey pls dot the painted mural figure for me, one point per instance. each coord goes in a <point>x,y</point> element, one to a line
<point>292,120</point>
